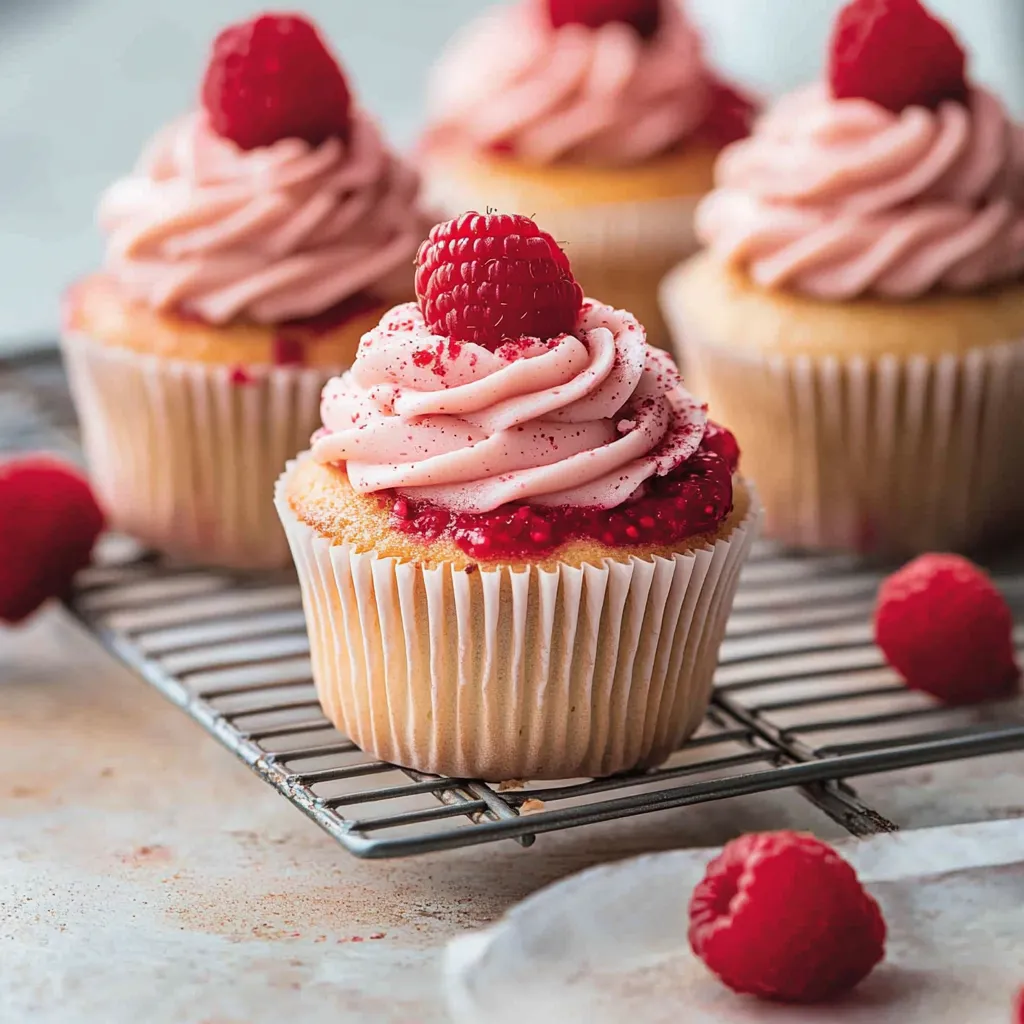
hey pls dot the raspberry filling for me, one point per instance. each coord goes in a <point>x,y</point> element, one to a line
<point>691,500</point>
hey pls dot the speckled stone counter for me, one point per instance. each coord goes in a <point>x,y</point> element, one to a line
<point>147,875</point>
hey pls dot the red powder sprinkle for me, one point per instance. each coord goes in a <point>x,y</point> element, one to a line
<point>240,376</point>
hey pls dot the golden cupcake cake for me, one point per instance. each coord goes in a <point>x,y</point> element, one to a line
<point>518,535</point>
<point>600,117</point>
<point>858,316</point>
<point>256,241</point>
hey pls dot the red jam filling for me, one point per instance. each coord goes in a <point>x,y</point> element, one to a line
<point>692,499</point>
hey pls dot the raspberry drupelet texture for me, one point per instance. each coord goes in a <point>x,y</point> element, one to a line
<point>49,522</point>
<point>643,15</point>
<point>273,78</point>
<point>487,278</point>
<point>895,53</point>
<point>782,916</point>
<point>944,626</point>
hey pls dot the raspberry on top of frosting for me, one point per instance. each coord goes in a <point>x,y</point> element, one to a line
<point>584,418</point>
<point>483,278</point>
<point>592,81</point>
<point>257,228</point>
<point>896,54</point>
<point>272,78</point>
<point>842,197</point>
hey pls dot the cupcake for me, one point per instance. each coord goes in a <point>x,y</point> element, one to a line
<point>858,316</point>
<point>518,536</point>
<point>600,117</point>
<point>256,241</point>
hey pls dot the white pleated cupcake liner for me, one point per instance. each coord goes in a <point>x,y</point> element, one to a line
<point>619,251</point>
<point>893,455</point>
<point>503,674</point>
<point>183,455</point>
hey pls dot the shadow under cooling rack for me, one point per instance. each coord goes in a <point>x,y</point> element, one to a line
<point>802,697</point>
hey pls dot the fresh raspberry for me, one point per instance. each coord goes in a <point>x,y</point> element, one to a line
<point>782,916</point>
<point>489,278</point>
<point>895,53</point>
<point>730,115</point>
<point>49,522</point>
<point>273,78</point>
<point>643,15</point>
<point>945,628</point>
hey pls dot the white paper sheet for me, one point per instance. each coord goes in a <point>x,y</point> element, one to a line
<point>610,945</point>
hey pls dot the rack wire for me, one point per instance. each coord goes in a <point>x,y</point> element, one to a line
<point>803,699</point>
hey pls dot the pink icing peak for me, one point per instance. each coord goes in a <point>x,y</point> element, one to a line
<point>585,419</point>
<point>270,234</point>
<point>840,198</point>
<point>511,83</point>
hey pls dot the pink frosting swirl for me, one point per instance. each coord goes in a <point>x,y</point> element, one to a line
<point>583,419</point>
<point>510,81</point>
<point>840,198</point>
<point>267,234</point>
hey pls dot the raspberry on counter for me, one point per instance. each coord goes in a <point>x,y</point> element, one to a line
<point>49,523</point>
<point>782,916</point>
<point>944,626</point>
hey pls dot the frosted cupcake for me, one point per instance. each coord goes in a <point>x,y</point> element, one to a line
<point>256,241</point>
<point>601,118</point>
<point>858,318</point>
<point>517,534</point>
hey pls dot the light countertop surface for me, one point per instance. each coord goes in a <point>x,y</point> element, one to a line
<point>145,874</point>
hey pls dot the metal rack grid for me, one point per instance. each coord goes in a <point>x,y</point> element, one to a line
<point>803,698</point>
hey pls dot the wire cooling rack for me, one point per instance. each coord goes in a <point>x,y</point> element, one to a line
<point>803,698</point>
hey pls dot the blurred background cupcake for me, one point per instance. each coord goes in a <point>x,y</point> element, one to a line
<point>601,117</point>
<point>257,239</point>
<point>858,318</point>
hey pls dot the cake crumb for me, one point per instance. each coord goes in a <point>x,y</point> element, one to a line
<point>531,806</point>
<point>504,787</point>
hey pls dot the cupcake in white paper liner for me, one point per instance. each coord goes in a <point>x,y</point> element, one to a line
<point>183,454</point>
<point>517,555</point>
<point>544,671</point>
<point>247,253</point>
<point>858,318</point>
<point>878,453</point>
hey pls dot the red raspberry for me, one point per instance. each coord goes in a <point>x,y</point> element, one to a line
<point>491,278</point>
<point>945,628</point>
<point>643,15</point>
<point>782,916</point>
<point>895,53</point>
<point>1018,1014</point>
<point>730,116</point>
<point>273,78</point>
<point>49,522</point>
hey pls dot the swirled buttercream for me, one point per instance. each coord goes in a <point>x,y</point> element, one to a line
<point>583,419</point>
<point>511,82</point>
<point>840,198</point>
<point>268,234</point>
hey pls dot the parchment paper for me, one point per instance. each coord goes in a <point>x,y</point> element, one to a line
<point>609,946</point>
